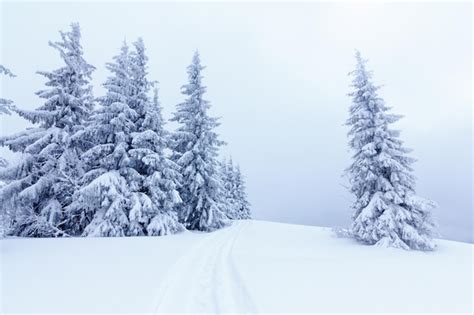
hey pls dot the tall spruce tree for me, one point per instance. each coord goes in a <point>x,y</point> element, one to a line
<point>142,140</point>
<point>195,147</point>
<point>162,176</point>
<point>42,184</point>
<point>386,210</point>
<point>154,203</point>
<point>130,187</point>
<point>101,206</point>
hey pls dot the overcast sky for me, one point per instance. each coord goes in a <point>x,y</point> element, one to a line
<point>277,75</point>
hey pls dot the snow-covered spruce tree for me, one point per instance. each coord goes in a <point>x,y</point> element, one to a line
<point>42,184</point>
<point>154,204</point>
<point>143,140</point>
<point>162,177</point>
<point>237,205</point>
<point>195,147</point>
<point>386,210</point>
<point>243,206</point>
<point>101,206</point>
<point>130,187</point>
<point>227,177</point>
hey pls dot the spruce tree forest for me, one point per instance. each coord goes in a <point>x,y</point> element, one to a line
<point>108,165</point>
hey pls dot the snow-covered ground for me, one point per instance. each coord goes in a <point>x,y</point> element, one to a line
<point>252,266</point>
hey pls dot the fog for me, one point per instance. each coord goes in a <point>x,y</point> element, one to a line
<point>277,76</point>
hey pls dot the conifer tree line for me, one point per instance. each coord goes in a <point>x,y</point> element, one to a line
<point>107,166</point>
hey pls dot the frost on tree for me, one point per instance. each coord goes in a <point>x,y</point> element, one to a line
<point>5,105</point>
<point>236,206</point>
<point>5,108</point>
<point>162,177</point>
<point>196,149</point>
<point>129,143</point>
<point>109,173</point>
<point>107,196</point>
<point>386,210</point>
<point>227,176</point>
<point>42,184</point>
<point>156,213</point>
<point>243,206</point>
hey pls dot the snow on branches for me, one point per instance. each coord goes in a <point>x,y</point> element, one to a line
<point>387,210</point>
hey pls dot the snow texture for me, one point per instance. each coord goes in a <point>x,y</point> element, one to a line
<point>249,267</point>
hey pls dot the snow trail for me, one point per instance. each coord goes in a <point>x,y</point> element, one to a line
<point>206,280</point>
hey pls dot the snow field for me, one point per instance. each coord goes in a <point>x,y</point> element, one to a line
<point>249,267</point>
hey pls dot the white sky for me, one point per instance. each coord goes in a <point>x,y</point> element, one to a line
<point>277,75</point>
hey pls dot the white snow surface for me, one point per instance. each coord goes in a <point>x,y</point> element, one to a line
<point>249,267</point>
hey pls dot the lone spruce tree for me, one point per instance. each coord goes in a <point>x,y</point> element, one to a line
<point>195,147</point>
<point>386,210</point>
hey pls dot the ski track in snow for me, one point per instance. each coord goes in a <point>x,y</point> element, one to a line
<point>206,279</point>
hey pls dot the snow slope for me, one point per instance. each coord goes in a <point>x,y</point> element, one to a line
<point>252,266</point>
